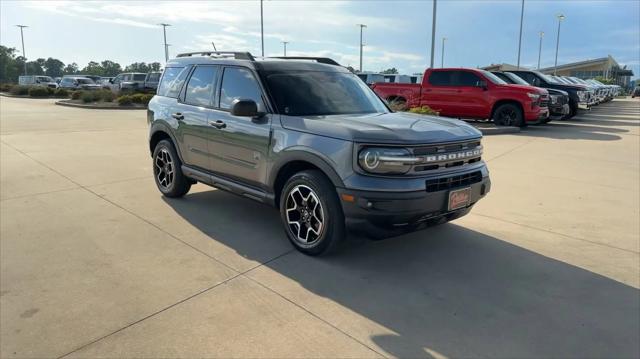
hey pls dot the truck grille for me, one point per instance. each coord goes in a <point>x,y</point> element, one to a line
<point>544,101</point>
<point>441,184</point>
<point>446,155</point>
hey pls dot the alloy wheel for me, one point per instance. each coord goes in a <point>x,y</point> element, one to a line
<point>164,168</point>
<point>304,214</point>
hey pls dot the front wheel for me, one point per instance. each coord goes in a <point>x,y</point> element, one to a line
<point>167,171</point>
<point>311,213</point>
<point>508,115</point>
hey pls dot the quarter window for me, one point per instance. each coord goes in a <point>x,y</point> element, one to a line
<point>239,83</point>
<point>200,87</point>
<point>172,80</point>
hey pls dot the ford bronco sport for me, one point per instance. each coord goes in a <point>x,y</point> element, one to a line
<point>310,138</point>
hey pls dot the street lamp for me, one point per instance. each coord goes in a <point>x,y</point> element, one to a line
<point>284,43</point>
<point>520,38</point>
<point>540,48</point>
<point>555,65</point>
<point>166,48</point>
<point>442,58</point>
<point>362,26</point>
<point>433,33</point>
<point>23,53</point>
<point>261,28</point>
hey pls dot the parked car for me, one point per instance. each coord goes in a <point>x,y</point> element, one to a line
<point>93,78</point>
<point>151,80</point>
<point>558,101</point>
<point>331,157</point>
<point>470,93</point>
<point>128,81</point>
<point>578,94</point>
<point>37,80</point>
<point>370,79</point>
<point>395,78</point>
<point>78,83</point>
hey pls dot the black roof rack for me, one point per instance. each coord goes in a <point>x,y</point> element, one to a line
<point>236,54</point>
<point>322,60</point>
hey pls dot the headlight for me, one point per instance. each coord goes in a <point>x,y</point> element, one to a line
<point>533,96</point>
<point>386,160</point>
<point>582,95</point>
<point>554,99</point>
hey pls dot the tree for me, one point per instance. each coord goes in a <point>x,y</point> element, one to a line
<point>53,67</point>
<point>154,66</point>
<point>35,67</point>
<point>392,70</point>
<point>110,68</point>
<point>10,69</point>
<point>137,67</point>
<point>605,80</point>
<point>92,68</point>
<point>71,69</point>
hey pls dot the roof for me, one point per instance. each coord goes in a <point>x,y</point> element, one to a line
<point>580,64</point>
<point>269,64</point>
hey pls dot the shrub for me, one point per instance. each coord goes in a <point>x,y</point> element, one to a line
<point>61,93</point>
<point>137,97</point>
<point>146,98</point>
<point>124,100</point>
<point>38,91</point>
<point>20,90</point>
<point>424,110</point>
<point>89,96</point>
<point>6,87</point>
<point>50,91</point>
<point>107,95</point>
<point>75,95</point>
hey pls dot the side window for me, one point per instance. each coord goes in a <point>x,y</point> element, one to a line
<point>466,78</point>
<point>116,80</point>
<point>440,78</point>
<point>200,86</point>
<point>126,77</point>
<point>172,81</point>
<point>239,83</point>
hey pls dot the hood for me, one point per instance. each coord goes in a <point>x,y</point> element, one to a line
<point>526,88</point>
<point>570,87</point>
<point>391,128</point>
<point>557,92</point>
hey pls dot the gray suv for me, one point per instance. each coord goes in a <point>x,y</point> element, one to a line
<point>310,138</point>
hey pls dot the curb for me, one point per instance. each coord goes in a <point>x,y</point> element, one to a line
<point>498,130</point>
<point>4,94</point>
<point>97,107</point>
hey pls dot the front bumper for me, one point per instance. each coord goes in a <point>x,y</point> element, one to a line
<point>384,214</point>
<point>584,106</point>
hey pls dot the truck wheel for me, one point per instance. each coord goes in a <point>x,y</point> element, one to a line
<point>311,213</point>
<point>167,171</point>
<point>508,115</point>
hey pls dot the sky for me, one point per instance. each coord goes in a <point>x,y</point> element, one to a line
<point>398,33</point>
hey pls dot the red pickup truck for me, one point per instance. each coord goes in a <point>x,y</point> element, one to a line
<point>470,93</point>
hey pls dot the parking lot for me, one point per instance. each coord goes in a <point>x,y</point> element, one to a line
<point>96,263</point>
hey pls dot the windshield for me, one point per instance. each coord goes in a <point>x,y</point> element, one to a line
<point>315,93</point>
<point>547,78</point>
<point>493,78</point>
<point>515,78</point>
<point>85,81</point>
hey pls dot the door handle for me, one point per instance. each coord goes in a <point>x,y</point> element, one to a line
<point>218,124</point>
<point>178,116</point>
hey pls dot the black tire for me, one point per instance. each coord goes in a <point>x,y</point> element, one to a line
<point>546,120</point>
<point>508,114</point>
<point>167,171</point>
<point>321,224</point>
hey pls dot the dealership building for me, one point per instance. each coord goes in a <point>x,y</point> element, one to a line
<point>606,67</point>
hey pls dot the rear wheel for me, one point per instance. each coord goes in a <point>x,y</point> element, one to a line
<point>311,213</point>
<point>167,171</point>
<point>508,115</point>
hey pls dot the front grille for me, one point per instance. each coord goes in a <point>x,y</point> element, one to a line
<point>544,101</point>
<point>435,156</point>
<point>441,184</point>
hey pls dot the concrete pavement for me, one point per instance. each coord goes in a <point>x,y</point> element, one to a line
<point>95,263</point>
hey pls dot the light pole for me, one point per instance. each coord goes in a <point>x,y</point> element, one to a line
<point>540,48</point>
<point>362,26</point>
<point>166,48</point>
<point>261,28</point>
<point>555,65</point>
<point>284,43</point>
<point>520,38</point>
<point>23,53</point>
<point>433,33</point>
<point>442,58</point>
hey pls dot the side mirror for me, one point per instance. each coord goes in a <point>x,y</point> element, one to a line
<point>245,108</point>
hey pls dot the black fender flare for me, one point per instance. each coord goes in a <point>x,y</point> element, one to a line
<point>315,158</point>
<point>161,126</point>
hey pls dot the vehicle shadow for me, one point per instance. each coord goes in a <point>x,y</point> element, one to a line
<point>445,291</point>
<point>573,130</point>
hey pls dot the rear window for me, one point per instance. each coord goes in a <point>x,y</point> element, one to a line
<point>153,77</point>
<point>172,81</point>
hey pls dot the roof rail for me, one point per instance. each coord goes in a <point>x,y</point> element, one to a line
<point>322,60</point>
<point>236,54</point>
